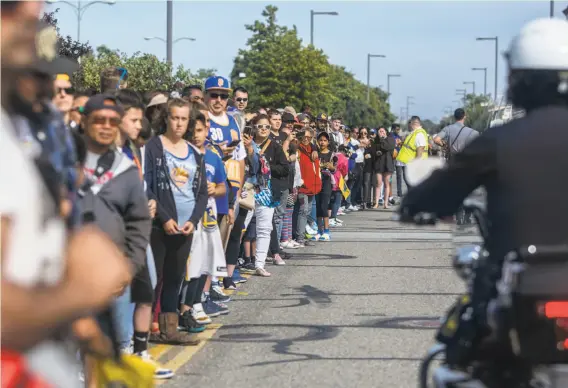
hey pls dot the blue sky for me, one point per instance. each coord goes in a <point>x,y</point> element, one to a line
<point>431,44</point>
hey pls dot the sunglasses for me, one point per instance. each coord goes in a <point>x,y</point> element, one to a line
<point>241,99</point>
<point>215,96</point>
<point>263,126</point>
<point>102,120</point>
<point>68,91</point>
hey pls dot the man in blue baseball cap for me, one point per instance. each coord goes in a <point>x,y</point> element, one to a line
<point>224,132</point>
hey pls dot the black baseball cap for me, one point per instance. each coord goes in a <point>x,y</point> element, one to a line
<point>288,117</point>
<point>102,101</point>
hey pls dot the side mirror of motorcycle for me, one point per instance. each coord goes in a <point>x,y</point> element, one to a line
<point>465,259</point>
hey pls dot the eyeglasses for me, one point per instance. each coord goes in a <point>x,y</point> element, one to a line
<point>215,96</point>
<point>241,99</point>
<point>102,120</point>
<point>70,90</point>
<point>263,126</point>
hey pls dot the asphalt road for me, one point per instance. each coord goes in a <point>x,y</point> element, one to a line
<point>359,311</point>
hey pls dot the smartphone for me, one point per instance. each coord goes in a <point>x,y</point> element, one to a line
<point>248,131</point>
<point>234,143</point>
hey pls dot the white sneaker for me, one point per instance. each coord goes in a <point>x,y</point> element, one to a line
<point>278,260</point>
<point>337,220</point>
<point>199,314</point>
<point>127,349</point>
<point>353,208</point>
<point>310,230</point>
<point>262,272</point>
<point>332,223</point>
<point>289,245</point>
<point>316,237</point>
<point>160,373</point>
<point>325,237</point>
<point>341,212</point>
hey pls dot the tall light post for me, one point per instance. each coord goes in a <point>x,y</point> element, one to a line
<point>369,56</point>
<point>169,31</point>
<point>163,40</point>
<point>470,83</point>
<point>551,9</point>
<point>169,52</point>
<point>312,14</point>
<point>80,9</point>
<point>484,77</point>
<point>389,84</point>
<point>408,103</point>
<point>462,92</point>
<point>496,39</point>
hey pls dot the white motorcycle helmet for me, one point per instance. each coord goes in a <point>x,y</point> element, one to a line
<point>542,44</point>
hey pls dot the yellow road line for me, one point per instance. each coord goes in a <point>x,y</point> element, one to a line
<point>159,350</point>
<point>189,351</point>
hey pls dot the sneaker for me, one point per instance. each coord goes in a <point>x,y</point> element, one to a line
<point>223,308</point>
<point>240,262</point>
<point>340,222</point>
<point>333,222</point>
<point>341,212</point>
<point>217,295</point>
<point>381,202</point>
<point>269,259</point>
<point>311,231</point>
<point>199,314</point>
<point>210,308</point>
<point>325,237</point>
<point>187,322</point>
<point>127,349</point>
<point>262,272</point>
<point>278,260</point>
<point>160,372</point>
<point>229,284</point>
<point>248,267</point>
<point>237,278</point>
<point>307,243</point>
<point>353,208</point>
<point>290,244</point>
<point>316,237</point>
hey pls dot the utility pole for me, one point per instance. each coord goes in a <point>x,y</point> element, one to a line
<point>369,56</point>
<point>170,31</point>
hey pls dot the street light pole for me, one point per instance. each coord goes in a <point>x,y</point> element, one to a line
<point>463,92</point>
<point>484,78</point>
<point>551,9</point>
<point>408,102</point>
<point>80,9</point>
<point>389,84</point>
<point>314,13</point>
<point>496,39</point>
<point>369,56</point>
<point>169,31</point>
<point>470,83</point>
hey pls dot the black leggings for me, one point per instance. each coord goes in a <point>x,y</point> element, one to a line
<point>170,255</point>
<point>323,198</point>
<point>194,289</point>
<point>234,243</point>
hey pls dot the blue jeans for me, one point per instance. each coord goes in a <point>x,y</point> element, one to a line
<point>336,198</point>
<point>123,316</point>
<point>313,215</point>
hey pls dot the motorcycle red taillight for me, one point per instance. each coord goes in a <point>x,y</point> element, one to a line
<point>557,312</point>
<point>556,309</point>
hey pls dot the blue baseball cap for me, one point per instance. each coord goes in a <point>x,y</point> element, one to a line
<point>217,82</point>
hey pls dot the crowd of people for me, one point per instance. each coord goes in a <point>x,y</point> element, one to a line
<point>157,203</point>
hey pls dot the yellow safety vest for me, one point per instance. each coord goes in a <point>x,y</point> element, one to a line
<point>408,150</point>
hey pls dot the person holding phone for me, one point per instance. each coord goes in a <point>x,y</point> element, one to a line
<point>327,164</point>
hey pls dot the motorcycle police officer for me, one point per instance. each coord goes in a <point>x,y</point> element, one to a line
<point>521,164</point>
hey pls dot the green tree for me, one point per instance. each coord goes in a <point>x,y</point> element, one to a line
<point>145,71</point>
<point>280,71</point>
<point>477,112</point>
<point>67,46</point>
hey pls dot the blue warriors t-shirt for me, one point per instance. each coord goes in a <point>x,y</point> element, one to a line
<point>215,170</point>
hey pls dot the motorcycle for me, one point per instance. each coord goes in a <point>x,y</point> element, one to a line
<point>510,327</point>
